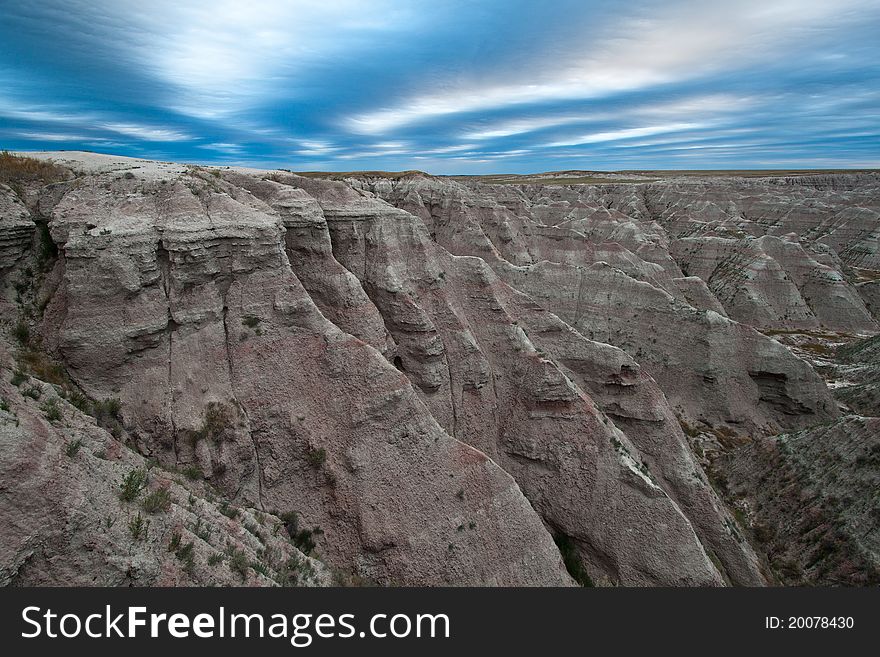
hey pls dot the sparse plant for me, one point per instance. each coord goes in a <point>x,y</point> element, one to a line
<point>251,321</point>
<point>73,447</point>
<point>132,484</point>
<point>238,562</point>
<point>157,501</point>
<point>18,377</point>
<point>138,527</point>
<point>22,332</point>
<point>227,510</point>
<point>51,410</point>
<point>34,392</point>
<point>108,414</point>
<point>301,538</point>
<point>215,423</point>
<point>296,570</point>
<point>316,457</point>
<point>260,568</point>
<point>20,168</point>
<point>215,558</point>
<point>192,472</point>
<point>79,400</point>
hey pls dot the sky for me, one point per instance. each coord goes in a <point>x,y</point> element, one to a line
<point>448,87</point>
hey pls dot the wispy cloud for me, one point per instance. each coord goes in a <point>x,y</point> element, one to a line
<point>500,85</point>
<point>686,41</point>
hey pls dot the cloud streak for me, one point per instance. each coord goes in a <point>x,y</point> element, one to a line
<point>450,87</point>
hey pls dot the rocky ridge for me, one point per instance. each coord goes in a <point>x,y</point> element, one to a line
<point>458,383</point>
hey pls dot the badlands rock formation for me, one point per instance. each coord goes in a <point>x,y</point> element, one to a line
<point>407,379</point>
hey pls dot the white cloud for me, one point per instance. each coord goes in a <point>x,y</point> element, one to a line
<point>689,39</point>
<point>626,133</point>
<point>144,132</point>
<point>224,56</point>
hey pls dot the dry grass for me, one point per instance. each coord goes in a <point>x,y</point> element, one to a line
<point>341,175</point>
<point>19,168</point>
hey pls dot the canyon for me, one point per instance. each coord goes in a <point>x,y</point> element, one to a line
<point>222,375</point>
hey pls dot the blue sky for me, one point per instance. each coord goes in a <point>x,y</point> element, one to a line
<point>447,87</point>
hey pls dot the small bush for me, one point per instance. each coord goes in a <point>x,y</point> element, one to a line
<point>43,367</point>
<point>34,392</point>
<point>158,500</point>
<point>73,446</point>
<point>4,405</point>
<point>18,377</point>
<point>51,410</point>
<point>215,423</point>
<point>132,484</point>
<point>251,321</point>
<point>138,527</point>
<point>303,539</point>
<point>316,457</point>
<point>238,563</point>
<point>227,510</point>
<point>108,408</point>
<point>108,414</point>
<point>22,333</point>
<point>260,568</point>
<point>214,559</point>
<point>296,571</point>
<point>79,400</point>
<point>192,472</point>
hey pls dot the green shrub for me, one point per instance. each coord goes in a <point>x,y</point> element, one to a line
<point>51,410</point>
<point>132,484</point>
<point>186,556</point>
<point>18,377</point>
<point>238,563</point>
<point>4,405</point>
<point>79,400</point>
<point>260,568</point>
<point>138,527</point>
<point>316,457</point>
<point>22,332</point>
<point>108,414</point>
<point>192,472</point>
<point>227,510</point>
<point>296,570</point>
<point>159,500</point>
<point>73,446</point>
<point>34,392</point>
<point>303,539</point>
<point>215,558</point>
<point>250,321</point>
<point>216,421</point>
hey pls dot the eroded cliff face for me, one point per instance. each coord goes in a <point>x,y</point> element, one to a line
<point>443,377</point>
